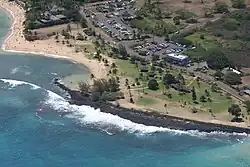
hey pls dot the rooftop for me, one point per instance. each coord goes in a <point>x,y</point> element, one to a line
<point>181,57</point>
<point>228,69</point>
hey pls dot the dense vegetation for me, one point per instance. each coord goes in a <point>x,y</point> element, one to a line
<point>225,41</point>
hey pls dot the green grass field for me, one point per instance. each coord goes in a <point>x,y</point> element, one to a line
<point>148,25</point>
<point>208,42</point>
<point>146,101</point>
<point>128,68</point>
<point>219,102</point>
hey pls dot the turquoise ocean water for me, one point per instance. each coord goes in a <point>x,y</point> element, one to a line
<point>40,129</point>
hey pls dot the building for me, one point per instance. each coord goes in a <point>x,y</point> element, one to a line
<point>229,69</point>
<point>178,59</point>
<point>247,92</point>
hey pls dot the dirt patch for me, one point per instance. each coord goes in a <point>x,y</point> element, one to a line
<point>196,6</point>
<point>246,80</point>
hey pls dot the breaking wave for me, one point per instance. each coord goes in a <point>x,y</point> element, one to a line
<point>87,115</point>
<point>14,83</point>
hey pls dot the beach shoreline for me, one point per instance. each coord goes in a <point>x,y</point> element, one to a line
<point>15,42</point>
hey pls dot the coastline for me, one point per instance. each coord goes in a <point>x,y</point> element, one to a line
<point>150,118</point>
<point>15,42</point>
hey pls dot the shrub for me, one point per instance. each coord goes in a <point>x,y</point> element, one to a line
<point>220,7</point>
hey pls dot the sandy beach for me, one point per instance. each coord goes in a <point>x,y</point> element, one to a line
<point>15,42</point>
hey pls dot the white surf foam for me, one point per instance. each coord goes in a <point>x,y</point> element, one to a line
<point>89,116</point>
<point>15,70</point>
<point>15,83</point>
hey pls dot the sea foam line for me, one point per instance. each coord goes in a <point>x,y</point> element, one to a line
<point>15,83</point>
<point>89,116</point>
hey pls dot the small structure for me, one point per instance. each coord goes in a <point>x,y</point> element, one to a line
<point>143,68</point>
<point>178,59</point>
<point>229,69</point>
<point>247,92</point>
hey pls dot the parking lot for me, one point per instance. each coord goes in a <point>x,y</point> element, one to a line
<point>114,26</point>
<point>158,46</point>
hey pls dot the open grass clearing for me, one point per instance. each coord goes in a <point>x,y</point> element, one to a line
<point>128,68</point>
<point>208,42</point>
<point>146,101</point>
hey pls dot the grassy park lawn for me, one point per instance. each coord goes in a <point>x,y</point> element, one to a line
<point>148,25</point>
<point>208,42</point>
<point>146,101</point>
<point>219,102</point>
<point>128,68</point>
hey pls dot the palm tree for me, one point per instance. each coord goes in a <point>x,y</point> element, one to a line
<point>126,82</point>
<point>165,106</point>
<point>92,76</point>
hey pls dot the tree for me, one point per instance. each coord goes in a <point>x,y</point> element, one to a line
<point>207,93</point>
<point>214,87</point>
<point>92,76</point>
<point>153,84</point>
<point>83,23</point>
<point>122,51</point>
<point>114,71</point>
<point>84,87</point>
<point>167,38</point>
<point>239,4</point>
<point>68,28</point>
<point>202,36</point>
<point>126,82</point>
<point>247,105</point>
<point>208,13</point>
<point>220,7</point>
<point>194,97</point>
<point>234,109</point>
<point>113,65</point>
<point>180,79</point>
<point>169,79</point>
<point>216,59</point>
<point>202,98</point>
<point>232,78</point>
<point>176,21</point>
<point>218,75</point>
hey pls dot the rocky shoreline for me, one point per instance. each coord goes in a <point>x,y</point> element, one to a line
<point>149,118</point>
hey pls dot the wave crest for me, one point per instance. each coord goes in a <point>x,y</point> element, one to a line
<point>15,83</point>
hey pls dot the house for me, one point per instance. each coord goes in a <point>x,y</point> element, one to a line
<point>229,69</point>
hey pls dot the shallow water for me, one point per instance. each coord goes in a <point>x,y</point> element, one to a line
<point>39,128</point>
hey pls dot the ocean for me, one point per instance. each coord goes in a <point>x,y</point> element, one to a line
<point>39,128</point>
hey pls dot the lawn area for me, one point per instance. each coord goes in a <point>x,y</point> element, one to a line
<point>219,102</point>
<point>150,26</point>
<point>146,101</point>
<point>128,68</point>
<point>208,42</point>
